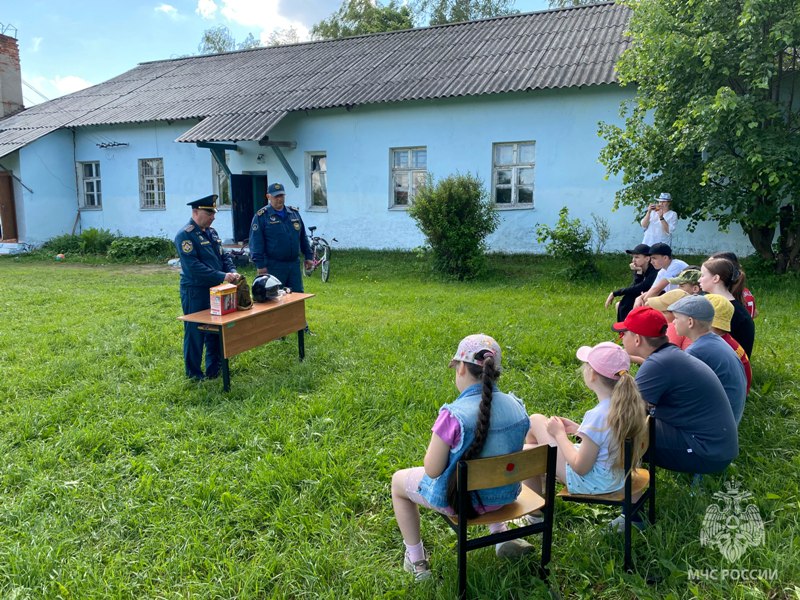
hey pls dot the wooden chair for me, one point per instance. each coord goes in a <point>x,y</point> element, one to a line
<point>484,473</point>
<point>638,481</point>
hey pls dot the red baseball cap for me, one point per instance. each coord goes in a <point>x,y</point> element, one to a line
<point>643,320</point>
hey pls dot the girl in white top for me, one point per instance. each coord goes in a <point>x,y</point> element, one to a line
<point>595,465</point>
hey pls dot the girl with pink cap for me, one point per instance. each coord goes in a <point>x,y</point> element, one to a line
<point>595,465</point>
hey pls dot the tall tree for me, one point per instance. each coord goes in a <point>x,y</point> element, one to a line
<point>220,39</point>
<point>281,37</point>
<point>716,116</point>
<point>358,17</point>
<point>440,12</point>
<point>568,3</point>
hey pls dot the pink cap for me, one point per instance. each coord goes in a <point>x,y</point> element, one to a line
<point>472,345</point>
<point>606,358</point>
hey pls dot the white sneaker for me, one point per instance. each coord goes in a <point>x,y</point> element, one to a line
<point>531,519</point>
<point>618,524</point>
<point>421,570</point>
<point>513,548</point>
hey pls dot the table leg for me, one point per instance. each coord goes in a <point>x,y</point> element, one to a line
<point>226,376</point>
<point>301,344</point>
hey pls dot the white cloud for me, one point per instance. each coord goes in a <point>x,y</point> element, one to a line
<point>37,41</point>
<point>261,15</point>
<point>168,10</point>
<point>206,8</point>
<point>69,84</point>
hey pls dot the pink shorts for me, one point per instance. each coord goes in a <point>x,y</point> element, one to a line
<point>413,480</point>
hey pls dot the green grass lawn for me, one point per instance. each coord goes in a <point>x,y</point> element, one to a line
<point>122,479</point>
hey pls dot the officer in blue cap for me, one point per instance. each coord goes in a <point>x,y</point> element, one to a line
<point>277,238</point>
<point>204,264</point>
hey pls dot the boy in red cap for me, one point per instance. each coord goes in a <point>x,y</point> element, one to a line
<point>695,428</point>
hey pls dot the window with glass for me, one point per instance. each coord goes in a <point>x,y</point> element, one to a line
<point>409,174</point>
<point>222,183</point>
<point>512,174</point>
<point>318,180</point>
<point>89,185</point>
<point>151,183</point>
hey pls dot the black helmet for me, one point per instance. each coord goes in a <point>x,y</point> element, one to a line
<point>265,287</point>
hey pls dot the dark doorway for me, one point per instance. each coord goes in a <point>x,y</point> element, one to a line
<point>8,214</point>
<point>248,194</point>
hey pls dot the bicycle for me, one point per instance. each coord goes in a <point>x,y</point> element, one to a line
<point>321,255</point>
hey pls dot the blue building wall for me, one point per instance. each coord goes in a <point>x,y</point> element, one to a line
<point>458,134</point>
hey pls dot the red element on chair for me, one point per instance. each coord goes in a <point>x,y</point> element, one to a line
<point>510,467</point>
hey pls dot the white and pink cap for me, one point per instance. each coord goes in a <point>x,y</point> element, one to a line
<point>607,358</point>
<point>473,345</point>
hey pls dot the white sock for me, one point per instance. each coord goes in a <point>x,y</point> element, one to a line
<point>415,552</point>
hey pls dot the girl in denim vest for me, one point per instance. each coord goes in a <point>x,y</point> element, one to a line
<point>481,422</point>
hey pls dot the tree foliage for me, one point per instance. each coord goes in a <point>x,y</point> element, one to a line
<point>440,12</point>
<point>359,17</point>
<point>568,3</point>
<point>716,116</point>
<point>455,217</point>
<point>220,39</point>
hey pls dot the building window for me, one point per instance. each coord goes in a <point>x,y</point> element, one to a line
<point>89,184</point>
<point>409,173</point>
<point>317,180</point>
<point>151,183</point>
<point>221,183</point>
<point>512,174</point>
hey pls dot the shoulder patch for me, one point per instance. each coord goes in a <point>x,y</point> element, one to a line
<point>261,210</point>
<point>255,226</point>
<point>295,209</point>
<point>189,228</point>
<point>186,246</point>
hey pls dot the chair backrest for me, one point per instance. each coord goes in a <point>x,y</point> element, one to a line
<point>506,469</point>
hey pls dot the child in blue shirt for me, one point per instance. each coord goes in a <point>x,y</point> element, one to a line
<point>481,422</point>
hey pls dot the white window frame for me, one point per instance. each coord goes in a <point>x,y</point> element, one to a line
<point>518,168</point>
<point>158,191</point>
<point>89,199</point>
<point>413,172</point>
<point>323,174</point>
<point>221,184</point>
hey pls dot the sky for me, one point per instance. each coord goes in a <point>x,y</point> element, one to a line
<point>68,46</point>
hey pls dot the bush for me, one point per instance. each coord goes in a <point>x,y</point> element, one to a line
<point>141,248</point>
<point>96,241</point>
<point>62,244</point>
<point>569,240</point>
<point>455,218</point>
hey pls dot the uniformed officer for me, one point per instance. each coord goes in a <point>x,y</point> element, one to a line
<point>204,264</point>
<point>277,237</point>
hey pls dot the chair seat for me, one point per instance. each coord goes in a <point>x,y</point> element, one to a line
<point>640,479</point>
<point>527,502</point>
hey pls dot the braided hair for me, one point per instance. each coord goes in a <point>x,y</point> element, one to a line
<point>488,374</point>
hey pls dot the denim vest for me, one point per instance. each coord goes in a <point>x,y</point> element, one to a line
<point>508,426</point>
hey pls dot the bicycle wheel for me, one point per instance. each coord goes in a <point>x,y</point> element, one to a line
<point>326,265</point>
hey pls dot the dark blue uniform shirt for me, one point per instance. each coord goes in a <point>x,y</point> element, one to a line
<point>203,261</point>
<point>278,238</point>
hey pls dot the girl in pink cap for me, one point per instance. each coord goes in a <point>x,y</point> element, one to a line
<point>595,465</point>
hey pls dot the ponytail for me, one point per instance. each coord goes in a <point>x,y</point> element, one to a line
<point>627,418</point>
<point>488,375</point>
<point>730,273</point>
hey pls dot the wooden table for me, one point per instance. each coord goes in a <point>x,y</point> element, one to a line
<point>245,329</point>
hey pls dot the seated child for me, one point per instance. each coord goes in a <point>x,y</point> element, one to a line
<point>660,303</point>
<point>481,422</point>
<point>688,280</point>
<point>596,464</point>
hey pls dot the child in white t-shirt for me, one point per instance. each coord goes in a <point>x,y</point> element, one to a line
<point>595,465</point>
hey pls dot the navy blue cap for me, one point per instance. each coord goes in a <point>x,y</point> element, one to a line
<point>661,249</point>
<point>276,189</point>
<point>207,203</point>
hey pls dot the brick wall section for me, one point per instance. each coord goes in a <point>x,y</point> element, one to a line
<point>10,77</point>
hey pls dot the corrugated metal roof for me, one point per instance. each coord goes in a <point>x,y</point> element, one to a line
<point>242,95</point>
